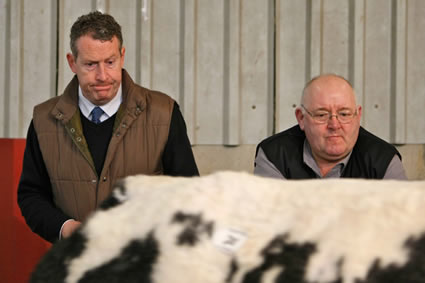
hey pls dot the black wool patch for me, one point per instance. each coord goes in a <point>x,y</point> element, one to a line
<point>112,201</point>
<point>232,270</point>
<point>411,272</point>
<point>292,258</point>
<point>194,226</point>
<point>53,266</point>
<point>134,264</point>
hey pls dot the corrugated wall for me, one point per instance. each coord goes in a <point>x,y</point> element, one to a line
<point>236,67</point>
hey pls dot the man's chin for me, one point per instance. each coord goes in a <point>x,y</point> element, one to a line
<point>336,155</point>
<point>103,97</point>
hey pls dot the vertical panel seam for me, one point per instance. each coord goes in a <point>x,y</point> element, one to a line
<point>21,64</point>
<point>393,73</point>
<point>364,58</point>
<point>151,35</point>
<point>308,32</point>
<point>321,36</point>
<point>195,71</point>
<point>226,65</point>
<point>351,40</point>
<point>271,66</point>
<point>406,54</point>
<point>182,31</point>
<point>138,53</point>
<point>55,32</point>
<point>7,48</point>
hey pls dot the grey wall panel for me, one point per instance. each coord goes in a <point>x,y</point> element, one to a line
<point>335,35</point>
<point>188,67</point>
<point>14,61</point>
<point>128,13</point>
<point>314,38</point>
<point>232,73</point>
<point>415,94</point>
<point>39,56</point>
<point>146,44</point>
<point>257,75</point>
<point>165,47</point>
<point>378,64</point>
<point>157,27</point>
<point>209,68</point>
<point>375,44</point>
<point>293,27</point>
<point>28,59</point>
<point>4,64</point>
<point>161,51</point>
<point>399,71</point>
<point>356,67</point>
<point>237,68</point>
<point>69,11</point>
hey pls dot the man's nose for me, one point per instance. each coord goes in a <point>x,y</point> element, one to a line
<point>101,72</point>
<point>333,121</point>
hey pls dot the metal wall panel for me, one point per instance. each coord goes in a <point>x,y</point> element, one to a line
<point>39,57</point>
<point>127,13</point>
<point>257,70</point>
<point>69,11</point>
<point>188,68</point>
<point>293,27</point>
<point>376,44</point>
<point>28,61</point>
<point>399,70</point>
<point>4,65</point>
<point>209,72</point>
<point>335,34</point>
<point>14,102</point>
<point>11,66</point>
<point>415,77</point>
<point>236,68</point>
<point>377,69</point>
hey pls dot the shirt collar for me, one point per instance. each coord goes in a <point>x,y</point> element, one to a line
<point>309,160</point>
<point>109,108</point>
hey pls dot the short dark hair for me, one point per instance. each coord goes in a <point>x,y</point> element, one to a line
<point>96,24</point>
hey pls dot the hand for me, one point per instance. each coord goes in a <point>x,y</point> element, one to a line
<point>69,227</point>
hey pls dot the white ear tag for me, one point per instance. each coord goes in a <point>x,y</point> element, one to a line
<point>228,240</point>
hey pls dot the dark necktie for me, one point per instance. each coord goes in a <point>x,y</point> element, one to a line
<point>95,114</point>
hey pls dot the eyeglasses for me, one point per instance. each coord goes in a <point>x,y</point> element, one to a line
<point>344,116</point>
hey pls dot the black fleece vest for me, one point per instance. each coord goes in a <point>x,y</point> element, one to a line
<point>369,159</point>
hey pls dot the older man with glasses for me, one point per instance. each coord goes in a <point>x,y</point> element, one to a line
<point>328,141</point>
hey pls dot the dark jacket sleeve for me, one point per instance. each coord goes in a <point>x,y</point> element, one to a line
<point>35,197</point>
<point>178,159</point>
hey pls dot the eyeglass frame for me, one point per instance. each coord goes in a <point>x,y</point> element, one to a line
<point>330,115</point>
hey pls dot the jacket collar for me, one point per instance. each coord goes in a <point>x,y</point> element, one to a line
<point>67,105</point>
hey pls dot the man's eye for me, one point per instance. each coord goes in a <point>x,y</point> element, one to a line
<point>344,114</point>
<point>321,114</point>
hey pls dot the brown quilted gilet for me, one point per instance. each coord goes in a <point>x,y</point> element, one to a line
<point>139,136</point>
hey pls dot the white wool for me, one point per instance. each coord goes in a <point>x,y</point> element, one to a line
<point>353,221</point>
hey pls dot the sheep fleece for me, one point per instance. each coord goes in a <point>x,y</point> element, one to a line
<point>235,227</point>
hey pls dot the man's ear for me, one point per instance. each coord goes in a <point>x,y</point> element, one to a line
<point>359,112</point>
<point>300,117</point>
<point>71,62</point>
<point>122,56</point>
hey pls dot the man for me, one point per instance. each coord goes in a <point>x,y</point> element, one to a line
<point>328,141</point>
<point>102,128</point>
